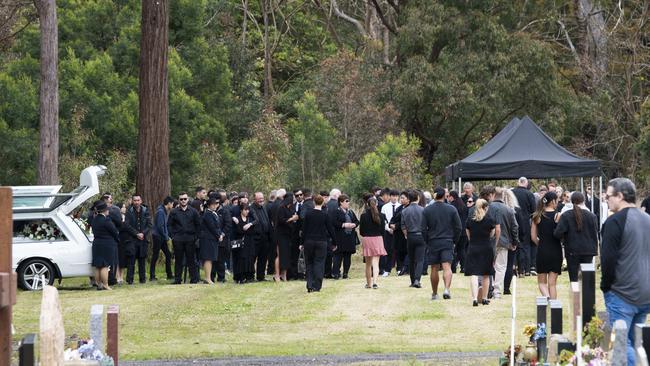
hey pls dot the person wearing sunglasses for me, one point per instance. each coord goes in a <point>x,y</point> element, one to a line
<point>184,226</point>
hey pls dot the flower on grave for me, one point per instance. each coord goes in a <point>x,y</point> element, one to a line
<point>529,330</point>
<point>540,332</point>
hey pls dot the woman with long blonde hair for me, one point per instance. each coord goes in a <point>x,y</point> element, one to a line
<point>481,228</point>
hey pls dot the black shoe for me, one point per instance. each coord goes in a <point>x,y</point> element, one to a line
<point>262,280</point>
<point>474,303</point>
<point>152,279</point>
<point>485,302</point>
<point>335,277</point>
<point>310,290</point>
<point>177,282</point>
<point>507,292</point>
<point>375,286</point>
<point>345,276</point>
<point>446,296</point>
<point>417,284</point>
<point>142,282</point>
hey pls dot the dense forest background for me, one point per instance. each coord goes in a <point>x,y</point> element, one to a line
<point>315,93</point>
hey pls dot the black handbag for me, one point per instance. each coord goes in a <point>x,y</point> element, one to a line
<point>302,264</point>
<point>235,244</point>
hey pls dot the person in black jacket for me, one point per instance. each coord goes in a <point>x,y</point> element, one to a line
<point>401,252</point>
<point>441,229</point>
<point>371,228</point>
<point>285,220</point>
<point>578,228</point>
<point>316,229</point>
<point>461,246</point>
<point>345,222</point>
<point>184,226</point>
<point>210,237</point>
<point>106,237</point>
<point>139,223</point>
<point>243,246</point>
<point>527,253</point>
<point>223,250</point>
<point>263,234</point>
<point>331,206</point>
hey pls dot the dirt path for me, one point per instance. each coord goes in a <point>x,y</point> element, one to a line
<point>445,358</point>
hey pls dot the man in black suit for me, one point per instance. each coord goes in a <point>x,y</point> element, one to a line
<point>184,226</point>
<point>139,222</point>
<point>262,235</point>
<point>526,200</point>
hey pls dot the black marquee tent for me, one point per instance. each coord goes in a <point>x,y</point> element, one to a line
<point>522,149</point>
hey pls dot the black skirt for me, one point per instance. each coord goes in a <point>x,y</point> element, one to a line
<point>479,260</point>
<point>103,255</point>
<point>284,251</point>
<point>208,249</point>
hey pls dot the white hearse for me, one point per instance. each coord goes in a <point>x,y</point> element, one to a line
<point>47,241</point>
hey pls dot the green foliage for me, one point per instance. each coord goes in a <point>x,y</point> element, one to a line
<point>261,159</point>
<point>394,163</point>
<point>314,152</point>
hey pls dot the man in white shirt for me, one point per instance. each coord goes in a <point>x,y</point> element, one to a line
<point>386,262</point>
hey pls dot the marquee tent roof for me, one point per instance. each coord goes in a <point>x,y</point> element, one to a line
<point>522,149</point>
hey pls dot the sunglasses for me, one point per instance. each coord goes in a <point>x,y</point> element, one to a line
<point>298,195</point>
<point>470,201</point>
<point>183,199</point>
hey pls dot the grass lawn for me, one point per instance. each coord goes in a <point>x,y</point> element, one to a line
<point>162,321</point>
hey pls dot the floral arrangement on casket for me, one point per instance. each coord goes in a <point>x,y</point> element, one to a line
<point>42,231</point>
<point>83,224</point>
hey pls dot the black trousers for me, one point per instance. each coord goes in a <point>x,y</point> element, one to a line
<point>315,253</point>
<point>460,250</point>
<point>112,280</point>
<point>346,259</point>
<point>262,246</point>
<point>386,262</point>
<point>532,258</point>
<point>130,269</point>
<point>185,253</point>
<point>509,270</point>
<point>272,254</point>
<point>160,244</point>
<point>416,246</point>
<point>292,271</point>
<point>219,266</point>
<point>328,261</point>
<point>573,262</point>
<point>401,252</point>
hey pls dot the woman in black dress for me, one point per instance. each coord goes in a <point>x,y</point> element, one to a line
<point>284,229</point>
<point>209,238</point>
<point>345,223</point>
<point>243,247</point>
<point>105,242</point>
<point>480,254</point>
<point>549,248</point>
<point>578,228</point>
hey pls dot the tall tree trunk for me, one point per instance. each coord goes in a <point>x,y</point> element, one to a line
<point>48,159</point>
<point>244,24</point>
<point>152,171</point>
<point>268,76</point>
<point>593,41</point>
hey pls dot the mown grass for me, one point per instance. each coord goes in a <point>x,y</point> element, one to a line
<point>162,321</point>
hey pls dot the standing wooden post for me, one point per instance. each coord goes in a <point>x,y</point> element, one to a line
<point>556,317</point>
<point>112,332</point>
<point>588,291</point>
<point>26,351</point>
<point>7,277</point>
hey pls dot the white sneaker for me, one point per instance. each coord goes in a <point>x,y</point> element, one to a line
<point>497,295</point>
<point>386,274</point>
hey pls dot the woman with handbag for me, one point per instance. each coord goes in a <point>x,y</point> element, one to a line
<point>243,247</point>
<point>345,223</point>
<point>284,228</point>
<point>209,238</point>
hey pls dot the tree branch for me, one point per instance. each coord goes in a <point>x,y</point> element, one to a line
<point>383,18</point>
<point>335,7</point>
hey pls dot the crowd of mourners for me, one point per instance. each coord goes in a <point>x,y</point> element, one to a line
<point>490,237</point>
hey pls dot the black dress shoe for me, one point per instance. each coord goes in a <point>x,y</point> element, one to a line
<point>507,292</point>
<point>417,284</point>
<point>474,303</point>
<point>485,302</point>
<point>345,276</point>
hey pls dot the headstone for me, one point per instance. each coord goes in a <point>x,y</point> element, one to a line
<point>556,316</point>
<point>112,337</point>
<point>588,291</point>
<point>52,333</point>
<point>542,303</point>
<point>553,347</point>
<point>26,351</point>
<point>607,330</point>
<point>642,343</point>
<point>575,306</point>
<point>96,325</point>
<point>619,350</point>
